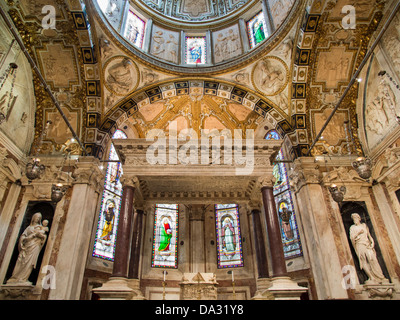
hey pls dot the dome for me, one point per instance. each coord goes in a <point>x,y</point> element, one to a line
<point>196,10</point>
<point>197,36</point>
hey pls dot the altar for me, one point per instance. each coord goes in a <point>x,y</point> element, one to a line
<point>199,286</point>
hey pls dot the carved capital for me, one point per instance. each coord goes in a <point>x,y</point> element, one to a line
<point>87,171</point>
<point>129,181</point>
<point>266,181</point>
<point>253,205</point>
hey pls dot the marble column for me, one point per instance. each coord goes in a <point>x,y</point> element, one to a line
<point>123,245</point>
<point>282,286</point>
<point>274,233</point>
<point>320,241</point>
<point>76,234</point>
<point>197,256</point>
<point>259,244</point>
<point>136,244</point>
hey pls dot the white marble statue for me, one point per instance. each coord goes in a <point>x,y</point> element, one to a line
<point>29,245</point>
<point>363,244</point>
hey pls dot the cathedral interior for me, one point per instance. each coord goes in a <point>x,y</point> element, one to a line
<point>200,150</point>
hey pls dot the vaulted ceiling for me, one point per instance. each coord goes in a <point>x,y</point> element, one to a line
<point>312,56</point>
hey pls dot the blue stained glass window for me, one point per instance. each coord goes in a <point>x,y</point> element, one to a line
<point>229,240</point>
<point>104,244</point>
<point>195,50</point>
<point>285,208</point>
<point>165,241</point>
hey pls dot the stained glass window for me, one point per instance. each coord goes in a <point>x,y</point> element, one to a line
<point>257,29</point>
<point>229,243</point>
<point>104,244</point>
<point>165,241</point>
<point>285,208</point>
<point>134,30</point>
<point>195,50</point>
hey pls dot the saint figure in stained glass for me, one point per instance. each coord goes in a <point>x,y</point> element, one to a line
<point>165,249</point>
<point>229,246</point>
<point>109,216</point>
<point>285,208</point>
<point>165,236</point>
<point>104,244</point>
<point>258,31</point>
<point>228,235</point>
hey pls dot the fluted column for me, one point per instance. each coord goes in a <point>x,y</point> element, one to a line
<point>136,244</point>
<point>123,243</point>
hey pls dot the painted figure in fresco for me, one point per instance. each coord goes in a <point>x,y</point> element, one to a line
<point>165,236</point>
<point>29,245</point>
<point>228,235</point>
<point>109,215</point>
<point>363,244</point>
<point>258,31</point>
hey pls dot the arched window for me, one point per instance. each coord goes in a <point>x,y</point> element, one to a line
<point>229,240</point>
<point>165,241</point>
<point>283,199</point>
<point>104,244</point>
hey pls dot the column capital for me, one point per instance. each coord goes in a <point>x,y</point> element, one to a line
<point>129,181</point>
<point>267,181</point>
<point>253,205</point>
<point>87,171</point>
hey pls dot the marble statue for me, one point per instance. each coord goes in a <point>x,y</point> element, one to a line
<point>29,245</point>
<point>363,244</point>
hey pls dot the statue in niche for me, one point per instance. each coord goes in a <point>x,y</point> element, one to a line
<point>363,244</point>
<point>29,245</point>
